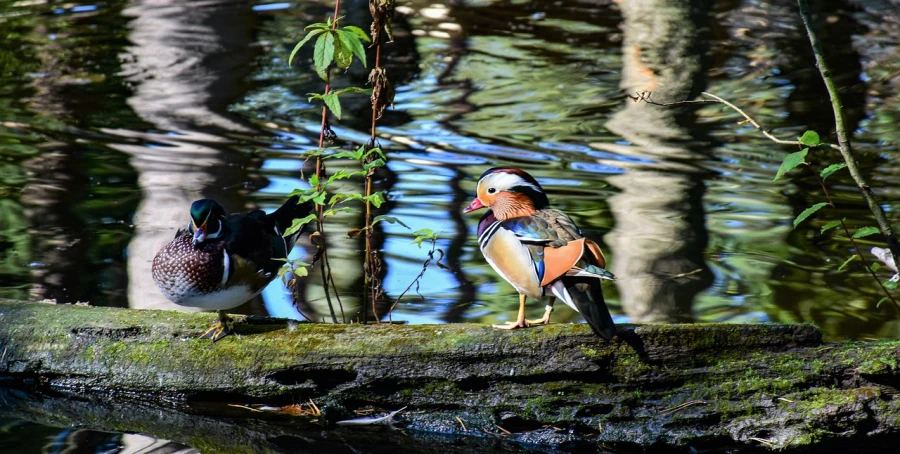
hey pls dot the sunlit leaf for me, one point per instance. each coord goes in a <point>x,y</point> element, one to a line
<point>866,231</point>
<point>830,225</point>
<point>299,224</point>
<point>319,26</point>
<point>810,139</point>
<point>808,212</point>
<point>389,219</point>
<point>343,173</point>
<point>876,266</point>
<point>376,199</point>
<point>826,172</point>
<point>334,211</point>
<point>375,163</point>
<point>890,285</point>
<point>333,103</point>
<point>303,41</point>
<point>351,41</point>
<point>358,32</point>
<point>343,56</point>
<point>313,180</point>
<point>847,262</point>
<point>422,235</point>
<point>790,161</point>
<point>365,91</point>
<point>323,54</point>
<point>301,271</point>
<point>878,304</point>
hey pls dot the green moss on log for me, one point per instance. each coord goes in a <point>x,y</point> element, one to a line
<point>661,384</point>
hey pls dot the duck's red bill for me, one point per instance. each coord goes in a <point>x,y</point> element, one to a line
<point>475,205</point>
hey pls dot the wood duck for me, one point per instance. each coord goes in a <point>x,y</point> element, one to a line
<point>222,261</point>
<point>537,248</point>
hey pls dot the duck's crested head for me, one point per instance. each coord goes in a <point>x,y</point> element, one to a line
<point>206,220</point>
<point>512,189</point>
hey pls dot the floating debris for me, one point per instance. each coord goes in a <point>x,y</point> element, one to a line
<point>369,421</point>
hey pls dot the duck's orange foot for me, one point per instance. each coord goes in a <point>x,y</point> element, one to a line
<point>540,321</point>
<point>513,325</point>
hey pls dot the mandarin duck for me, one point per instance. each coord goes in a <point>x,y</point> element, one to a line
<point>539,249</point>
<point>222,261</point>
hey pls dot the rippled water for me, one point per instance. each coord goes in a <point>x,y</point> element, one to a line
<point>117,114</point>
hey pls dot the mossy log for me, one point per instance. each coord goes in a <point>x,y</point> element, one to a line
<point>691,386</point>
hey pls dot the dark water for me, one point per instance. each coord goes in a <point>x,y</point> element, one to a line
<point>115,115</point>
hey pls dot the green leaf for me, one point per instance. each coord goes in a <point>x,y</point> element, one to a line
<point>808,212</point>
<point>343,173</point>
<point>422,235</point>
<point>313,96</point>
<point>333,211</point>
<point>303,41</point>
<point>376,199</point>
<point>376,150</point>
<point>810,139</point>
<point>352,42</point>
<point>875,266</point>
<point>313,180</point>
<point>890,285</point>
<point>333,103</point>
<point>883,299</point>
<point>367,91</point>
<point>305,194</point>
<point>301,271</point>
<point>319,25</point>
<point>358,32</point>
<point>830,225</point>
<point>389,219</point>
<point>319,199</point>
<point>826,172</point>
<point>343,56</point>
<point>866,231</point>
<point>790,161</point>
<point>323,54</point>
<point>847,262</point>
<point>298,224</point>
<point>375,163</point>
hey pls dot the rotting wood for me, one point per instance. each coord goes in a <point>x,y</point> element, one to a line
<point>554,384</point>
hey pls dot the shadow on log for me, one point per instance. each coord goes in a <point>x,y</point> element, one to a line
<point>688,386</point>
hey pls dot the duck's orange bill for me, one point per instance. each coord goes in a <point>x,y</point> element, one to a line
<point>475,205</point>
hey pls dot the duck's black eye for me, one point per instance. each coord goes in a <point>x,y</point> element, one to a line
<point>492,190</point>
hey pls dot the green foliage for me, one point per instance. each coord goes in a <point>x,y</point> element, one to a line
<point>890,285</point>
<point>334,45</point>
<point>810,139</point>
<point>808,212</point>
<point>790,162</point>
<point>298,224</point>
<point>866,231</point>
<point>828,171</point>
<point>875,266</point>
<point>847,262</point>
<point>830,225</point>
<point>422,235</point>
<point>878,304</point>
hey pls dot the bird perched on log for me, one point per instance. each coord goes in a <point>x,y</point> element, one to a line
<point>537,249</point>
<point>222,261</point>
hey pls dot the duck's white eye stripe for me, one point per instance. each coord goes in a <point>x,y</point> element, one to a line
<point>503,181</point>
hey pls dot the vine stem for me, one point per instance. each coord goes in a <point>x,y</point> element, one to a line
<point>843,138</point>
<point>324,266</point>
<point>859,253</point>
<point>370,253</point>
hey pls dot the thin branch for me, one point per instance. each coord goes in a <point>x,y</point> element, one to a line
<point>419,277</point>
<point>842,136</point>
<point>853,241</point>
<point>645,97</point>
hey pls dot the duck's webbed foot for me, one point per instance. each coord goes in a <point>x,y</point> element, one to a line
<point>224,327</point>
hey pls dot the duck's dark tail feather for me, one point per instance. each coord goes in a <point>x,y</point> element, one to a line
<point>284,216</point>
<point>586,294</point>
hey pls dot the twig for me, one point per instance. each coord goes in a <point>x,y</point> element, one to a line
<point>503,430</point>
<point>245,407</point>
<point>645,97</point>
<point>681,406</point>
<point>853,241</point>
<point>762,440</point>
<point>414,281</point>
<point>462,424</point>
<point>841,130</point>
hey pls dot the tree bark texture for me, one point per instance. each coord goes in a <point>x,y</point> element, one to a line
<point>699,386</point>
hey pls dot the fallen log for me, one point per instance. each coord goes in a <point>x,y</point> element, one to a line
<point>690,386</point>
